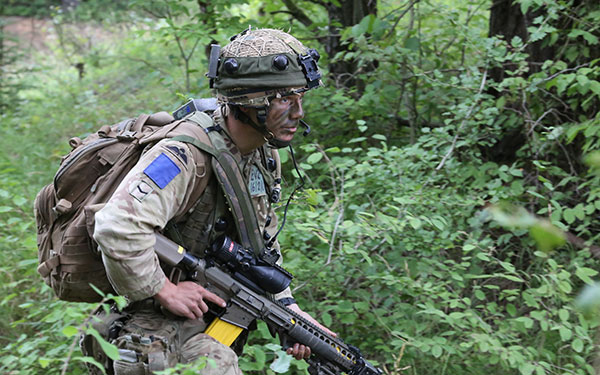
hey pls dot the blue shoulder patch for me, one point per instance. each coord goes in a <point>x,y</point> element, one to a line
<point>162,170</point>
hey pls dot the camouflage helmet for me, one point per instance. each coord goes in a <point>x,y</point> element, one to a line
<point>259,64</point>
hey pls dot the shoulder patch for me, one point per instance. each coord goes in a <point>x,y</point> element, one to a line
<point>256,185</point>
<point>140,190</point>
<point>162,170</point>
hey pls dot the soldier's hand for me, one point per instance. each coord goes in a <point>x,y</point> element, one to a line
<point>187,299</point>
<point>298,350</point>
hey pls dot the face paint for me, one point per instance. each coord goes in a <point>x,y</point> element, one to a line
<point>283,116</point>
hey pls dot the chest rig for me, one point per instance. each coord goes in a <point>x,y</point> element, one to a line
<point>238,197</point>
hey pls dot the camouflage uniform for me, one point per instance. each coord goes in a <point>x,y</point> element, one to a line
<point>158,189</point>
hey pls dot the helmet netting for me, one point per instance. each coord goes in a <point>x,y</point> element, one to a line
<point>262,42</point>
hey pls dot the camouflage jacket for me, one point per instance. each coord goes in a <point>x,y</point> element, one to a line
<point>158,189</point>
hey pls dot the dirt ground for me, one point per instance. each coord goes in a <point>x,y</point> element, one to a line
<point>38,35</point>
<point>31,33</point>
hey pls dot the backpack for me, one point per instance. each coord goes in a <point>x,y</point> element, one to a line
<point>68,257</point>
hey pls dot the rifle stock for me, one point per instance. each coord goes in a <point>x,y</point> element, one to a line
<point>330,356</point>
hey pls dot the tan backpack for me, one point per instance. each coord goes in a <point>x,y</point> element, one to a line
<point>87,177</point>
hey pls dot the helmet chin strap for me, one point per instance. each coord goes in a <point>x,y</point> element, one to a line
<point>261,126</point>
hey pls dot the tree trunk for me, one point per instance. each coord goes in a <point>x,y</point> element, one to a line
<point>508,21</point>
<point>347,14</point>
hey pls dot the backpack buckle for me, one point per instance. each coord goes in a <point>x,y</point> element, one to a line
<point>126,135</point>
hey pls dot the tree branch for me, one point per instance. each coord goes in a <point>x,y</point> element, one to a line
<point>408,8</point>
<point>297,13</point>
<point>483,80</point>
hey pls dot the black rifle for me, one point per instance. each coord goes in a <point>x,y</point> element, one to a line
<point>247,301</point>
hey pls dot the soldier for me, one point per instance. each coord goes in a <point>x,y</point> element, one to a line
<point>260,83</point>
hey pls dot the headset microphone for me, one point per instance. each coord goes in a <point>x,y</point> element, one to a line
<point>307,130</point>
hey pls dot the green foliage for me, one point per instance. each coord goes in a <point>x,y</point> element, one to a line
<point>449,222</point>
<point>27,8</point>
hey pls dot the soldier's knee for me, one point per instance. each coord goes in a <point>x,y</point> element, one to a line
<point>218,358</point>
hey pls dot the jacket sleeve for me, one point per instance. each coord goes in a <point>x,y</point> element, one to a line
<point>156,189</point>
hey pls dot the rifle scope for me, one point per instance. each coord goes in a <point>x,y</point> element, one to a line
<point>245,266</point>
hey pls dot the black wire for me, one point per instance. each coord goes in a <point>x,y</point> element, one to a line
<point>272,241</point>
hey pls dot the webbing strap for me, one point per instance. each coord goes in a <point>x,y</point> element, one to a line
<point>232,182</point>
<point>195,142</point>
<point>69,263</point>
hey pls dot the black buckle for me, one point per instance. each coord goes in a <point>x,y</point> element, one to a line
<point>311,70</point>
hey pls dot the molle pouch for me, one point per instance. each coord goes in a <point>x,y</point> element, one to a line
<point>108,327</point>
<point>146,345</point>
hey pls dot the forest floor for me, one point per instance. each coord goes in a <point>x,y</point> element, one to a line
<point>31,33</point>
<point>34,35</point>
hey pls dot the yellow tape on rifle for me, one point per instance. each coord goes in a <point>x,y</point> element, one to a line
<point>224,332</point>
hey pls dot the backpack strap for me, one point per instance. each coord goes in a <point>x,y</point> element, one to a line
<point>231,179</point>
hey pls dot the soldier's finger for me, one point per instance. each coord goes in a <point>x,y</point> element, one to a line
<point>202,305</point>
<point>299,356</point>
<point>307,352</point>
<point>196,313</point>
<point>296,351</point>
<point>214,298</point>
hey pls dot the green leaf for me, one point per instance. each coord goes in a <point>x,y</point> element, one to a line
<point>512,278</point>
<point>43,362</point>
<point>326,318</point>
<point>500,102</point>
<point>579,211</point>
<point>101,293</point>
<point>70,331</point>
<point>589,37</point>
<point>283,155</point>
<point>468,247</point>
<point>436,351</point>
<point>595,87</point>
<point>414,222</point>
<point>91,361</point>
<point>110,350</point>
<point>547,236</point>
<point>585,273</point>
<point>281,364</point>
<point>480,295</point>
<point>563,315</point>
<point>19,201</point>
<point>511,309</point>
<point>526,368</point>
<point>577,345</point>
<point>356,140</point>
<point>412,44</point>
<point>438,224</point>
<point>565,333</point>
<point>260,356</point>
<point>314,158</point>
<point>527,322</point>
